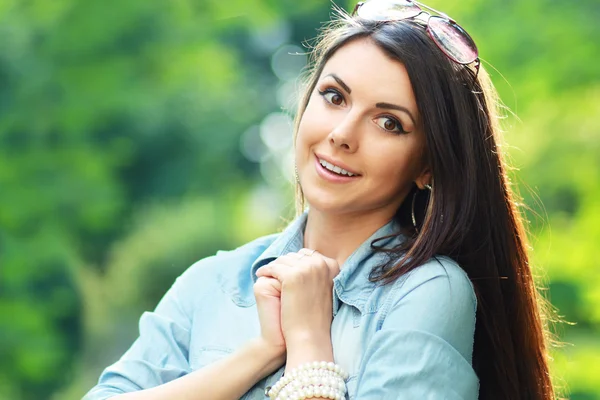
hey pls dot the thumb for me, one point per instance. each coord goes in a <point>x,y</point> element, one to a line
<point>274,284</point>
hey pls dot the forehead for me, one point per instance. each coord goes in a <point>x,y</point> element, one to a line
<point>371,73</point>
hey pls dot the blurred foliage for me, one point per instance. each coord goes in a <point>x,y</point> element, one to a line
<point>120,162</point>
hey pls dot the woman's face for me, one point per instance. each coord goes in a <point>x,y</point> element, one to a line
<point>362,117</point>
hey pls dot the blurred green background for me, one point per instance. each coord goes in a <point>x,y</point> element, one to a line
<point>138,136</point>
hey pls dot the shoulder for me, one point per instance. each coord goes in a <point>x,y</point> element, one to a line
<point>226,268</point>
<point>423,343</point>
<point>436,298</point>
<point>441,278</point>
<point>246,252</point>
<point>227,260</point>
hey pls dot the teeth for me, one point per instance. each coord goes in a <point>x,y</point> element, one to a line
<point>335,168</point>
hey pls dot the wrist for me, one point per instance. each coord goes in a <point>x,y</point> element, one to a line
<point>308,350</point>
<point>268,350</point>
<point>271,357</point>
<point>307,338</point>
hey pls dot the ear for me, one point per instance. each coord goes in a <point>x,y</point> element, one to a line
<point>425,178</point>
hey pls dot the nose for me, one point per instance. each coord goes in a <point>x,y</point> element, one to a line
<point>345,134</point>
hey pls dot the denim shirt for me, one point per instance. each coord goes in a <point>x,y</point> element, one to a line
<point>410,339</point>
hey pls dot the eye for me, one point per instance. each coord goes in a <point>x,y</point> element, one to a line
<point>390,124</point>
<point>332,96</point>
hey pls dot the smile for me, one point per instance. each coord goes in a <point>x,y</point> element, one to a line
<point>335,168</point>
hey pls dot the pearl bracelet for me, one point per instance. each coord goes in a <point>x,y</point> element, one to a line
<point>328,388</point>
<point>313,379</point>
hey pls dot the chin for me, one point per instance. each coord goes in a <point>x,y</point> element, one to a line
<point>337,205</point>
<point>326,204</point>
<point>331,204</point>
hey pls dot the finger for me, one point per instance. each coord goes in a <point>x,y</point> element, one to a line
<point>289,259</point>
<point>332,264</point>
<point>312,253</point>
<point>272,282</point>
<point>293,256</point>
<point>263,272</point>
<point>295,260</point>
<point>268,280</point>
<point>314,259</point>
<point>308,252</point>
<point>275,270</point>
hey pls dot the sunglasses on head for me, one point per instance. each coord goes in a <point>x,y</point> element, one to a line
<point>452,40</point>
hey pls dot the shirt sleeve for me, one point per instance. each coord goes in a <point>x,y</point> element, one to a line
<point>159,354</point>
<point>424,347</point>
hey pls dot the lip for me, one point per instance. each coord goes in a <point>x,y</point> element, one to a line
<point>332,177</point>
<point>336,163</point>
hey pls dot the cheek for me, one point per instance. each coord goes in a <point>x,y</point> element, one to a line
<point>312,126</point>
<point>394,162</point>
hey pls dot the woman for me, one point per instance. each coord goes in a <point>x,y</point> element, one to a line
<point>409,268</point>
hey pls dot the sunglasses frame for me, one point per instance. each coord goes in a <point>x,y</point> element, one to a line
<point>440,15</point>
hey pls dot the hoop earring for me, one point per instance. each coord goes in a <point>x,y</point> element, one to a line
<point>412,208</point>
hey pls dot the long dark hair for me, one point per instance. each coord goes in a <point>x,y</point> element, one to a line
<point>470,215</point>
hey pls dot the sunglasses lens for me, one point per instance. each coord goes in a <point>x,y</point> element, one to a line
<point>388,10</point>
<point>453,40</point>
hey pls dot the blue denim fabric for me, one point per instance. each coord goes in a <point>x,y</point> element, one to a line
<point>412,339</point>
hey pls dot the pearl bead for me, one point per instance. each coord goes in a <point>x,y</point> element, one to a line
<point>312,379</point>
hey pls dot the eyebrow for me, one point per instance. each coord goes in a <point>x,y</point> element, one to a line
<point>340,82</point>
<point>387,106</point>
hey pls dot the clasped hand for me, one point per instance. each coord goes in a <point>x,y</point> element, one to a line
<point>294,297</point>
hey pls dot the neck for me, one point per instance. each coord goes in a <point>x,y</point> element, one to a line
<point>337,236</point>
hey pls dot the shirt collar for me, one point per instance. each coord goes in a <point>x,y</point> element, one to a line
<point>352,284</point>
<point>288,241</point>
